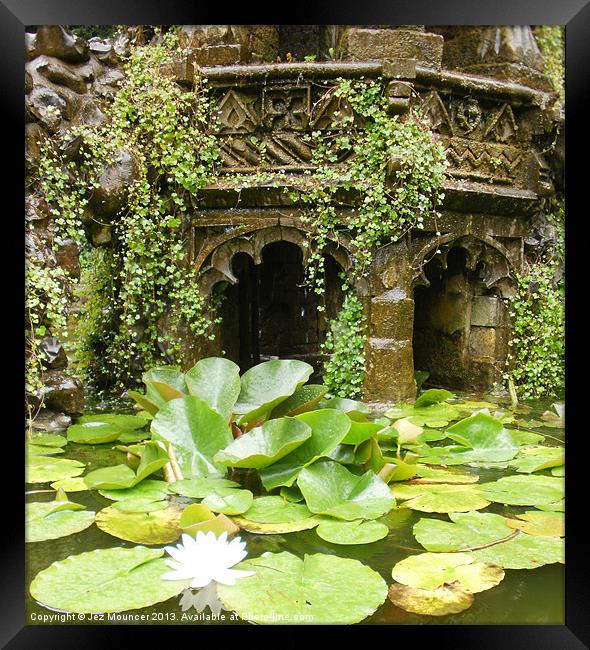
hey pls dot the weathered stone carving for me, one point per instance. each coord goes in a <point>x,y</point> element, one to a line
<point>286,107</point>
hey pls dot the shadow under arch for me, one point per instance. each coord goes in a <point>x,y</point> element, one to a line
<point>268,311</point>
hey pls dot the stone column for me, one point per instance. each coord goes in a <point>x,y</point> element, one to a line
<point>389,358</point>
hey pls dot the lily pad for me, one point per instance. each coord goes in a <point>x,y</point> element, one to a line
<point>432,570</point>
<point>328,429</point>
<point>523,552</point>
<point>73,484</point>
<point>266,385</point>
<point>234,502</point>
<point>487,438</point>
<point>318,589</point>
<point>48,440</point>
<point>42,450</point>
<point>93,433</point>
<point>441,497</point>
<point>216,381</point>
<point>354,409</point>
<point>547,524</point>
<point>53,519</point>
<point>435,415</point>
<point>305,398</point>
<point>361,431</point>
<point>352,532</point>
<point>526,437</point>
<point>196,433</point>
<point>120,420</point>
<point>139,504</point>
<point>43,469</point>
<point>534,459</point>
<point>433,396</point>
<point>330,489</point>
<point>558,471</point>
<point>198,517</point>
<point>278,528</point>
<point>276,510</point>
<point>427,474</point>
<point>265,445</point>
<point>203,486</point>
<point>148,489</point>
<point>448,599</point>
<point>106,580</point>
<point>115,477</point>
<point>158,527</point>
<point>465,531</point>
<point>524,490</point>
<point>557,506</point>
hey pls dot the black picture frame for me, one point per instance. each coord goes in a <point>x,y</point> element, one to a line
<point>575,15</point>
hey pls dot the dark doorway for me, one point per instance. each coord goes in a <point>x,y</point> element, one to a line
<point>442,321</point>
<point>271,314</point>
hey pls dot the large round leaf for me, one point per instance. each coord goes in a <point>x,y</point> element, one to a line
<point>196,433</point>
<point>330,489</point>
<point>42,469</point>
<point>448,599</point>
<point>276,510</point>
<point>234,502</point>
<point>546,524</point>
<point>468,530</point>
<point>432,570</point>
<point>148,489</point>
<point>440,497</point>
<point>264,445</point>
<point>435,415</point>
<point>216,381</point>
<point>433,396</point>
<point>523,552</point>
<point>159,527</point>
<point>328,428</point>
<point>427,474</point>
<point>203,486</point>
<point>534,459</point>
<point>93,433</point>
<point>268,384</point>
<point>320,589</point>
<point>115,477</point>
<point>53,519</point>
<point>121,420</point>
<point>361,431</point>
<point>305,398</point>
<point>106,580</point>
<point>524,490</point>
<point>351,532</point>
<point>487,438</point>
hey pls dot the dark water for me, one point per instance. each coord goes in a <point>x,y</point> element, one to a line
<point>523,597</point>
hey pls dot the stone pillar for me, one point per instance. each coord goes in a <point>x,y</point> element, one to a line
<point>389,357</point>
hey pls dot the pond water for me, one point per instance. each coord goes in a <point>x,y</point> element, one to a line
<point>523,597</point>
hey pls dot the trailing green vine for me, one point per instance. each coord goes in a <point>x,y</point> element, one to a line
<point>550,39</point>
<point>168,132</point>
<point>536,360</point>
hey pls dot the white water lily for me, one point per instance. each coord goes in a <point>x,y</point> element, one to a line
<point>206,558</point>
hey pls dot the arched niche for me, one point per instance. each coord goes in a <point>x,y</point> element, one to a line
<point>267,310</point>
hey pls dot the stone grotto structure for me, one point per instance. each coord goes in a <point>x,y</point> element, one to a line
<point>434,300</point>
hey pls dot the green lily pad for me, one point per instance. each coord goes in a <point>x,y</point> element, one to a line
<point>139,504</point>
<point>233,503</point>
<point>328,428</point>
<point>432,570</point>
<point>292,493</point>
<point>547,524</point>
<point>523,552</point>
<point>265,445</point>
<point>216,381</point>
<point>305,398</point>
<point>486,437</point>
<point>115,477</point>
<point>433,396</point>
<point>557,506</point>
<point>330,489</point>
<point>440,497</point>
<point>149,405</point>
<point>158,527</point>
<point>118,419</point>
<point>448,599</point>
<point>53,519</point>
<point>128,437</point>
<point>526,437</point>
<point>48,440</point>
<point>42,450</point>
<point>524,490</point>
<point>73,484</point>
<point>465,531</point>
<point>361,431</point>
<point>558,471</point>
<point>343,454</point>
<point>148,489</point>
<point>203,486</point>
<point>318,589</point>
<point>351,532</point>
<point>266,385</point>
<point>153,458</point>
<point>43,469</point>
<point>106,580</point>
<point>534,459</point>
<point>435,415</point>
<point>355,410</point>
<point>196,433</point>
<point>198,517</point>
<point>276,510</point>
<point>426,474</point>
<point>93,433</point>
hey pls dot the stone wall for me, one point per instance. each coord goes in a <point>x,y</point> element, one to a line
<point>482,90</point>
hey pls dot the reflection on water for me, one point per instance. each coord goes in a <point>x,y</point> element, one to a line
<point>523,597</point>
